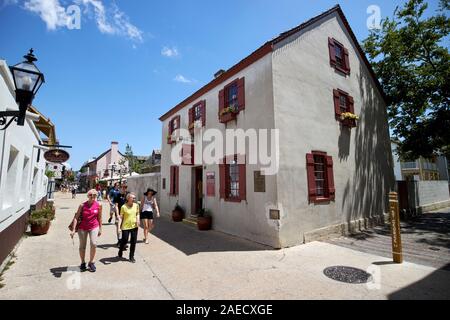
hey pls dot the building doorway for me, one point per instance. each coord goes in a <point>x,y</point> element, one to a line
<point>198,189</point>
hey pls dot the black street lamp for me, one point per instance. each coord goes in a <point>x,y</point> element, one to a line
<point>27,81</point>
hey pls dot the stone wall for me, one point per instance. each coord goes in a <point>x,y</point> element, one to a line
<point>140,184</point>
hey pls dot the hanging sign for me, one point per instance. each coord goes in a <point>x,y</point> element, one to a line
<point>56,156</point>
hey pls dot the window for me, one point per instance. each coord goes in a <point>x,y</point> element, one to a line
<point>174,180</point>
<point>339,56</point>
<point>174,125</point>
<point>231,100</point>
<point>320,177</point>
<point>197,115</point>
<point>187,154</point>
<point>343,102</point>
<point>233,179</point>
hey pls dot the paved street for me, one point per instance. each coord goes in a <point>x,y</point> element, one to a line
<point>425,239</point>
<point>183,263</point>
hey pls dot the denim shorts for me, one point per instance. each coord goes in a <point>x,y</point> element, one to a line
<point>147,215</point>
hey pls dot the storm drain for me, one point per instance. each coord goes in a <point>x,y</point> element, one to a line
<point>347,274</point>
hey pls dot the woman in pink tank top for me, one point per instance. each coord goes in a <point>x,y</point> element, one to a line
<point>90,214</point>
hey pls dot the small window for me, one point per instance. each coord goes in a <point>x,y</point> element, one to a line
<point>339,56</point>
<point>198,112</point>
<point>320,176</point>
<point>343,103</point>
<point>233,180</point>
<point>231,96</point>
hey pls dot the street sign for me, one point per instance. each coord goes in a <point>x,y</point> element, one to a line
<point>395,228</point>
<point>56,156</point>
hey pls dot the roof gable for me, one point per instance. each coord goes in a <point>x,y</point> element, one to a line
<point>267,48</point>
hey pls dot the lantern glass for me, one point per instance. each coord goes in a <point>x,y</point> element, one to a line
<point>27,77</point>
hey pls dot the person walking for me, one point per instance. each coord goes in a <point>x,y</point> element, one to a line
<point>74,192</point>
<point>119,200</point>
<point>89,220</point>
<point>149,206</point>
<point>129,214</point>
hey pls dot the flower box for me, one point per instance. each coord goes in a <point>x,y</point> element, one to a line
<point>350,123</point>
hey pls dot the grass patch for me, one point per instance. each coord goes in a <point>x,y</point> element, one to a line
<point>7,267</point>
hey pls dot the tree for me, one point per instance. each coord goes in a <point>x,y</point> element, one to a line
<point>413,66</point>
<point>133,163</point>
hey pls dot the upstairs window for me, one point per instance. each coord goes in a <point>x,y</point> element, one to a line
<point>174,125</point>
<point>231,100</point>
<point>343,102</point>
<point>197,116</point>
<point>339,56</point>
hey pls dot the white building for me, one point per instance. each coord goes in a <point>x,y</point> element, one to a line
<point>23,183</point>
<point>332,176</point>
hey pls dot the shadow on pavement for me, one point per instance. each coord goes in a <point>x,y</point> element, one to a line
<point>435,286</point>
<point>108,261</point>
<point>191,241</point>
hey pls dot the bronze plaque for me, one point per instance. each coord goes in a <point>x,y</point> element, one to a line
<point>259,182</point>
<point>56,156</point>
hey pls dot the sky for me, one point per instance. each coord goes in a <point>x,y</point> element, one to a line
<point>133,60</point>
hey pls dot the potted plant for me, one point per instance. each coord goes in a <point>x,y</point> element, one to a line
<point>348,119</point>
<point>178,213</point>
<point>204,220</point>
<point>40,221</point>
<point>228,114</point>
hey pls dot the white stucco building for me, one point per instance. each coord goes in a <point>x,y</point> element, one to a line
<point>333,174</point>
<point>23,183</point>
<point>111,165</point>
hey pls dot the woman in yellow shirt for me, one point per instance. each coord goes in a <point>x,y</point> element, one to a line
<point>129,215</point>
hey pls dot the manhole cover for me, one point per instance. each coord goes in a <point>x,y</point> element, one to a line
<point>347,274</point>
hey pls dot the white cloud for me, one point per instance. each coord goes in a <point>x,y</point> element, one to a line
<point>51,12</point>
<point>109,20</point>
<point>182,79</point>
<point>170,52</point>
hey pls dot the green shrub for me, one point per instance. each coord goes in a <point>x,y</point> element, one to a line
<point>41,217</point>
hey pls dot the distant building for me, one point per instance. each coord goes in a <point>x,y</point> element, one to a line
<point>110,166</point>
<point>421,169</point>
<point>153,163</point>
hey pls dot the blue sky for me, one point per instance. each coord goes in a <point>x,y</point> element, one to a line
<point>132,60</point>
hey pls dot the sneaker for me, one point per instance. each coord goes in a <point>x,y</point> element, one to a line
<point>92,267</point>
<point>132,260</point>
<point>118,244</point>
<point>146,241</point>
<point>83,267</point>
<point>109,220</point>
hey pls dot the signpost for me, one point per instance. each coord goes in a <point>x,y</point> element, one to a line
<point>394,213</point>
<point>56,156</point>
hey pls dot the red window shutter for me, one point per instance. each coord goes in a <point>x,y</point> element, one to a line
<point>351,104</point>
<point>241,93</point>
<point>347,61</point>
<point>179,121</point>
<point>242,182</point>
<point>332,52</point>
<point>222,177</point>
<point>330,177</point>
<point>177,179</point>
<point>170,126</point>
<point>204,113</point>
<point>336,98</point>
<point>172,186</point>
<point>221,101</point>
<point>191,115</point>
<point>311,177</point>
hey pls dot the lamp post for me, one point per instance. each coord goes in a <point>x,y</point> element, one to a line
<point>27,81</point>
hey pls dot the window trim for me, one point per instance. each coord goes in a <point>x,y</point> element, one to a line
<point>241,175</point>
<point>332,44</point>
<point>329,186</point>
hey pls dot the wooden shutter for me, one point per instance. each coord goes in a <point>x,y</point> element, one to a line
<point>221,101</point>
<point>172,185</point>
<point>191,115</point>
<point>311,177</point>
<point>170,126</point>
<point>330,177</point>
<point>241,93</point>
<point>336,98</point>
<point>346,61</point>
<point>332,52</point>
<point>204,113</point>
<point>222,182</point>
<point>351,104</point>
<point>178,121</point>
<point>177,179</point>
<point>242,182</point>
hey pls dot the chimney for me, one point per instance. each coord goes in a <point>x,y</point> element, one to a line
<point>219,73</point>
<point>114,152</point>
